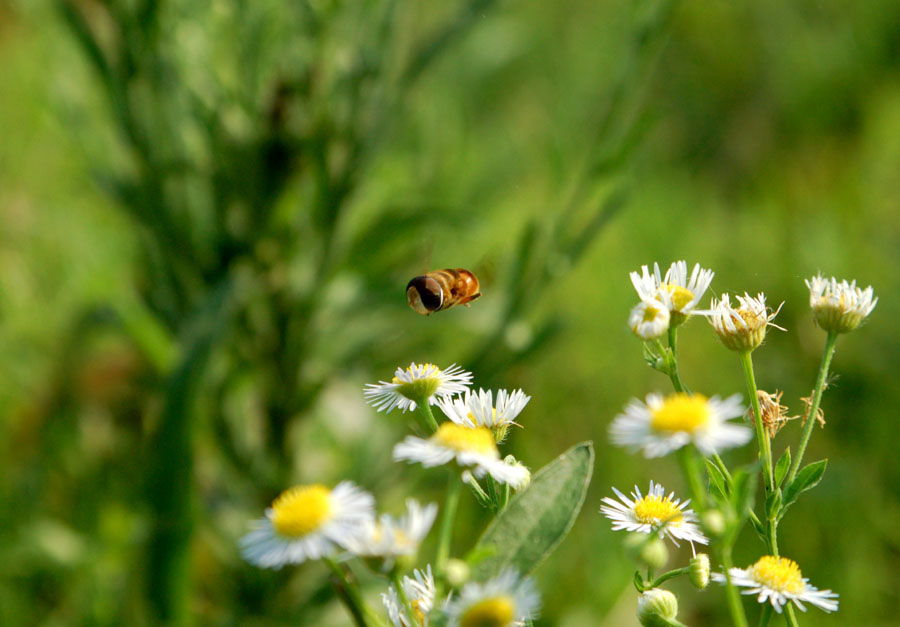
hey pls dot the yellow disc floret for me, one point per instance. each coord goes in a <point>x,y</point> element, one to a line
<point>494,612</point>
<point>777,573</point>
<point>653,509</point>
<point>460,438</point>
<point>681,296</point>
<point>301,510</point>
<point>425,380</point>
<point>681,412</point>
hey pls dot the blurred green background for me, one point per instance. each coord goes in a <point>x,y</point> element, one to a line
<point>210,209</point>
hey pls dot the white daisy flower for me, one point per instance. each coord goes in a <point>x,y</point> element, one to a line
<point>389,537</point>
<point>649,319</point>
<point>416,383</point>
<point>662,425</point>
<point>470,447</point>
<point>507,600</point>
<point>654,513</point>
<point>420,593</point>
<point>742,328</point>
<point>777,580</point>
<point>477,409</point>
<point>839,307</point>
<point>676,290</point>
<point>306,523</point>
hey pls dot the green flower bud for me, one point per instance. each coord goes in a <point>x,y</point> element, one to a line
<point>647,550</point>
<point>699,571</point>
<point>656,608</point>
<point>713,521</point>
<point>457,572</point>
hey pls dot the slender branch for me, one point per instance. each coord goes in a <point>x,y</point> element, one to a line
<point>814,406</point>
<point>425,409</point>
<point>669,575</point>
<point>765,451</point>
<point>673,364</point>
<point>738,617</point>
<point>348,592</point>
<point>450,503</point>
<point>687,459</point>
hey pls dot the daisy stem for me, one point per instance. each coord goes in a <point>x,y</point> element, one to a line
<point>814,405</point>
<point>687,457</point>
<point>722,467</point>
<point>450,503</point>
<point>789,617</point>
<point>425,409</point>
<point>404,600</point>
<point>349,593</point>
<point>765,450</point>
<point>669,575</point>
<point>673,366</point>
<point>766,615</point>
<point>734,599</point>
<point>492,491</point>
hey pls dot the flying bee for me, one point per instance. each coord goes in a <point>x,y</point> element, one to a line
<point>441,289</point>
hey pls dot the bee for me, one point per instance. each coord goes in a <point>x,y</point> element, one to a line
<point>441,289</point>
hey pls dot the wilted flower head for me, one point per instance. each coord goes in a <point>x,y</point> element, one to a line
<point>774,414</point>
<point>416,384</point>
<point>506,600</point>
<point>676,290</point>
<point>308,522</point>
<point>662,425</point>
<point>778,580</point>
<point>742,328</point>
<point>839,307</point>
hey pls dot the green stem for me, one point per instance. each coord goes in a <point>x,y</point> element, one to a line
<point>814,406</point>
<point>687,457</point>
<point>348,592</point>
<point>722,467</point>
<point>765,450</point>
<point>404,600</point>
<point>492,491</point>
<point>734,598</point>
<point>669,575</point>
<point>673,364</point>
<point>766,615</point>
<point>789,617</point>
<point>425,409</point>
<point>450,503</point>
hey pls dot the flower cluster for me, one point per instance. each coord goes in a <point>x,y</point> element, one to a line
<point>699,428</point>
<point>312,522</point>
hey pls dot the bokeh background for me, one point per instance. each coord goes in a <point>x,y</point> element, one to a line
<point>210,209</point>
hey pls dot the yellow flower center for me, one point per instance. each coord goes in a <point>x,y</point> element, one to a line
<point>653,509</point>
<point>681,296</point>
<point>301,510</point>
<point>460,438</point>
<point>420,388</point>
<point>752,319</point>
<point>650,313</point>
<point>418,610</point>
<point>681,412</point>
<point>495,612</point>
<point>778,573</point>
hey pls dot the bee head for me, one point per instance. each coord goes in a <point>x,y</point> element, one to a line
<point>424,295</point>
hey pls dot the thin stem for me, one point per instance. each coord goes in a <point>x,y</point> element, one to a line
<point>687,457</point>
<point>425,409</point>
<point>450,503</point>
<point>404,600</point>
<point>722,467</point>
<point>669,575</point>
<point>766,615</point>
<point>789,617</point>
<point>734,599</point>
<point>492,491</point>
<point>348,592</point>
<point>765,450</point>
<point>673,364</point>
<point>814,406</point>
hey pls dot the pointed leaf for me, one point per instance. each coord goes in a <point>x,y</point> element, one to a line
<point>538,518</point>
<point>782,466</point>
<point>716,478</point>
<point>808,477</point>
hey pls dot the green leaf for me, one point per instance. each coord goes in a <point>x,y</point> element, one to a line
<point>743,485</point>
<point>782,466</point>
<point>716,478</point>
<point>808,477</point>
<point>538,518</point>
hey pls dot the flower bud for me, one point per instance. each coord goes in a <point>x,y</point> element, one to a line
<point>649,551</point>
<point>713,521</point>
<point>656,608</point>
<point>457,573</point>
<point>699,571</point>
